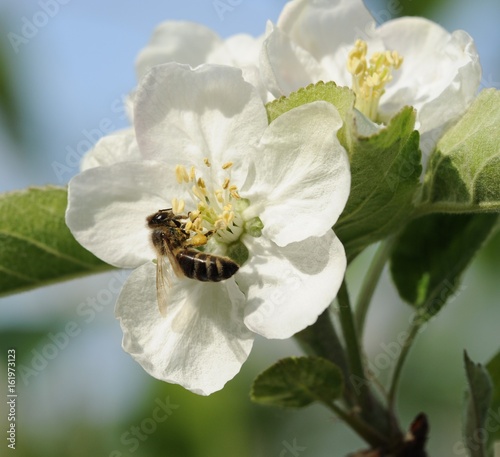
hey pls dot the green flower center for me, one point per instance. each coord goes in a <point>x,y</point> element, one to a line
<point>217,218</point>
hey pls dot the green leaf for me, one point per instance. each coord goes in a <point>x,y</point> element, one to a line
<point>385,170</point>
<point>493,424</point>
<point>298,381</point>
<point>341,97</point>
<point>464,170</point>
<point>478,398</point>
<point>431,254</point>
<point>36,247</point>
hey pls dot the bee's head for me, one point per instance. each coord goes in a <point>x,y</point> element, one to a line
<point>161,218</point>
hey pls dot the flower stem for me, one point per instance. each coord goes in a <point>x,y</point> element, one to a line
<point>414,328</point>
<point>371,410</point>
<point>322,340</point>
<point>370,283</point>
<point>349,331</point>
<point>370,435</point>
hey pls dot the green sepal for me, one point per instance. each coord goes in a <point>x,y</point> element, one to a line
<point>385,170</point>
<point>341,97</point>
<point>296,382</point>
<point>238,252</point>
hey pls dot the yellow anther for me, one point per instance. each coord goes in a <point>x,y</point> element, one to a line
<point>356,66</point>
<point>233,190</point>
<point>178,206</point>
<point>220,224</point>
<point>393,59</point>
<point>194,214</point>
<point>192,174</point>
<point>181,174</point>
<point>213,209</point>
<point>373,80</point>
<point>219,196</point>
<point>198,193</point>
<point>197,224</point>
<point>228,217</point>
<point>360,48</point>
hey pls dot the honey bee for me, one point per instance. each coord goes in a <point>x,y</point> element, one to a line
<point>171,241</point>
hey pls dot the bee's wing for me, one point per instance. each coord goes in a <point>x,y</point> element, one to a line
<point>163,283</point>
<point>165,265</point>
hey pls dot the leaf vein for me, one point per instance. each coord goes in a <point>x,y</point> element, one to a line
<point>46,248</point>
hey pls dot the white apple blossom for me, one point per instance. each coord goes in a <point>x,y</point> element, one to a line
<point>271,193</point>
<point>194,44</point>
<point>120,146</point>
<point>415,61</point>
<point>189,43</point>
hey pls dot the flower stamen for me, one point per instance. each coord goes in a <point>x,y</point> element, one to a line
<point>178,206</point>
<point>181,174</point>
<point>214,213</point>
<point>368,81</point>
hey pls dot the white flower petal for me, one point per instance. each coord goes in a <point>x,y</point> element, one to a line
<point>185,42</point>
<point>439,76</point>
<point>184,115</point>
<point>243,51</point>
<point>239,50</point>
<point>108,206</point>
<point>117,147</point>
<point>200,344</point>
<point>285,66</point>
<point>322,27</point>
<point>288,288</point>
<point>302,176</point>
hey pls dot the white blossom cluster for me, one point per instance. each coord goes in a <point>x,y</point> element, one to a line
<point>266,195</point>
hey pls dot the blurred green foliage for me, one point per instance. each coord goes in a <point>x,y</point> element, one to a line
<point>390,9</point>
<point>10,106</point>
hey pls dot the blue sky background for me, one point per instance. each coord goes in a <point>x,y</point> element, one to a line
<point>73,72</point>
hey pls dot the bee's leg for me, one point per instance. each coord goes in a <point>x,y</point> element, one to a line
<point>180,217</point>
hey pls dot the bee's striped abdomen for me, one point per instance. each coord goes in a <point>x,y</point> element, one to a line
<point>205,267</point>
